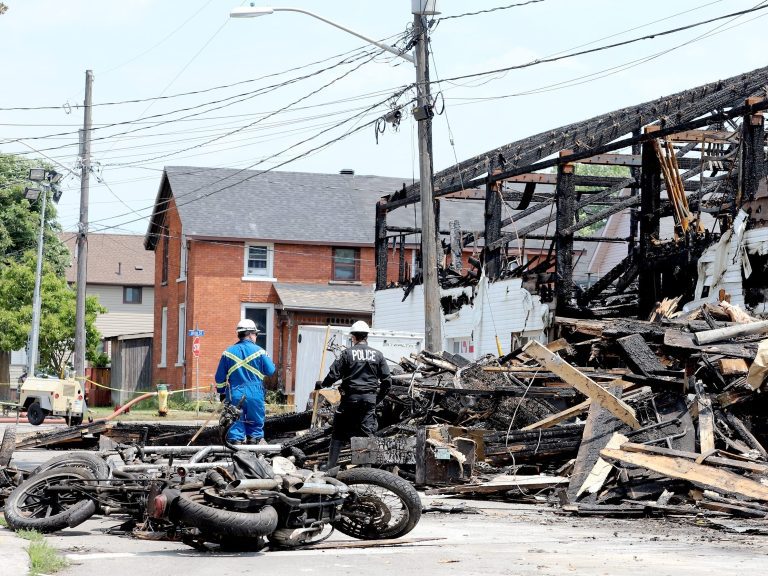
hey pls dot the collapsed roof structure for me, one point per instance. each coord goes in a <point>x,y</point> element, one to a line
<point>694,158</point>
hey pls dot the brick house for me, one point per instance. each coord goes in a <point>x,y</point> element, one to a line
<point>282,248</point>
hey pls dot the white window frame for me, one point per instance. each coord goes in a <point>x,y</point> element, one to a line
<point>269,328</point>
<point>163,337</point>
<point>182,335</point>
<point>268,275</point>
<point>182,259</point>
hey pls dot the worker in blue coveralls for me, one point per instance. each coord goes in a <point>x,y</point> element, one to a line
<point>242,369</point>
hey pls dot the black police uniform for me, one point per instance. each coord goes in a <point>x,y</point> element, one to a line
<point>360,369</point>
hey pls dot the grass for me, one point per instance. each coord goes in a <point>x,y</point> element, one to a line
<point>43,557</point>
<point>3,522</point>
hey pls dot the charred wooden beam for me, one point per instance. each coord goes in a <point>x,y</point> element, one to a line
<point>380,244</point>
<point>607,279</point>
<point>592,136</point>
<point>566,216</point>
<point>492,255</point>
<point>753,159</point>
<point>602,195</point>
<point>650,197</point>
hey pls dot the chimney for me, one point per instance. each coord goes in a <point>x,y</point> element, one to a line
<point>347,172</point>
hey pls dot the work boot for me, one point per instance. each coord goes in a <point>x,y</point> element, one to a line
<point>333,454</point>
<point>256,440</point>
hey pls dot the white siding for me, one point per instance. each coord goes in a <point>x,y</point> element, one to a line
<point>123,318</point>
<point>500,308</point>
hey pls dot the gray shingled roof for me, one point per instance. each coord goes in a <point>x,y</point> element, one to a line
<point>289,206</point>
<point>113,259</point>
<point>325,298</point>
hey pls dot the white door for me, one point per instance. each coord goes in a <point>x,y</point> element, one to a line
<point>308,356</point>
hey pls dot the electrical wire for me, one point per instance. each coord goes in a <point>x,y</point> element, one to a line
<point>364,48</point>
<point>321,146</point>
<point>255,122</point>
<point>539,61</point>
<point>488,11</point>
<point>587,78</point>
<point>228,101</point>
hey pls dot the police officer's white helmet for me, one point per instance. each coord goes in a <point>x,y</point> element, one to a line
<point>247,325</point>
<point>360,327</point>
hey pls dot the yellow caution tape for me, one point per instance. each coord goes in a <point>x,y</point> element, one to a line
<point>209,388</point>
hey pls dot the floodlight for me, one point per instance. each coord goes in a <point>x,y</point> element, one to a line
<point>37,174</point>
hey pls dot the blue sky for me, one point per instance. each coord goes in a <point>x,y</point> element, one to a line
<point>141,49</point>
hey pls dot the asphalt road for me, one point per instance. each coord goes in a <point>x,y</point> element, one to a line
<point>505,539</point>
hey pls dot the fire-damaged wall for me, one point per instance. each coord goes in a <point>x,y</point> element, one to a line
<point>473,316</point>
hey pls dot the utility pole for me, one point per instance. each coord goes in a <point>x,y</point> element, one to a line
<point>433,338</point>
<point>82,233</point>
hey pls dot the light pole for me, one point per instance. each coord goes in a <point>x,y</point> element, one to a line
<point>47,181</point>
<point>423,113</point>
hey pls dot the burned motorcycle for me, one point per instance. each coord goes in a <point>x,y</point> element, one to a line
<point>233,496</point>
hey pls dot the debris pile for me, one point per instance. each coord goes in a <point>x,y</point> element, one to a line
<point>619,417</point>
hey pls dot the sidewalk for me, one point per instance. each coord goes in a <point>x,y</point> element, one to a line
<point>13,551</point>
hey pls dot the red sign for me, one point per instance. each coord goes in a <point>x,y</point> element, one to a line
<point>196,346</point>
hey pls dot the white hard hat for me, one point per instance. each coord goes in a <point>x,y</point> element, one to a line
<point>361,327</point>
<point>247,325</point>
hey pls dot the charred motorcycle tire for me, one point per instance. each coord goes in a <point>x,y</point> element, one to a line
<point>7,446</point>
<point>191,511</point>
<point>33,506</point>
<point>366,513</point>
<point>85,460</point>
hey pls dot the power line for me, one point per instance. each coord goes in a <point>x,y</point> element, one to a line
<point>259,162</point>
<point>202,90</point>
<point>607,46</point>
<point>488,11</point>
<point>228,102</point>
<point>584,79</point>
<point>255,122</point>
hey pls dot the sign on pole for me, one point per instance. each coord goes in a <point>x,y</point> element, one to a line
<point>196,347</point>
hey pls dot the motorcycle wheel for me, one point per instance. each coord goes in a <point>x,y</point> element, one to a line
<point>220,524</point>
<point>34,506</point>
<point>97,466</point>
<point>380,505</point>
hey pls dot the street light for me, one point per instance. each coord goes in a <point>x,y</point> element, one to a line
<point>256,11</point>
<point>48,180</point>
<point>433,339</point>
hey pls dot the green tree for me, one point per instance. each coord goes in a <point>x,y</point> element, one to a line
<point>597,170</point>
<point>20,219</point>
<point>57,318</point>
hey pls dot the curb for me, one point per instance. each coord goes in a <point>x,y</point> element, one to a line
<point>13,551</point>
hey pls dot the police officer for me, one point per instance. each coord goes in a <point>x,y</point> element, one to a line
<point>365,380</point>
<point>241,372</point>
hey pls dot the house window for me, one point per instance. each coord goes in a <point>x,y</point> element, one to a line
<point>258,261</point>
<point>346,264</point>
<point>262,316</point>
<point>166,239</point>
<point>182,334</point>
<point>163,337</point>
<point>131,294</point>
<point>183,258</point>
